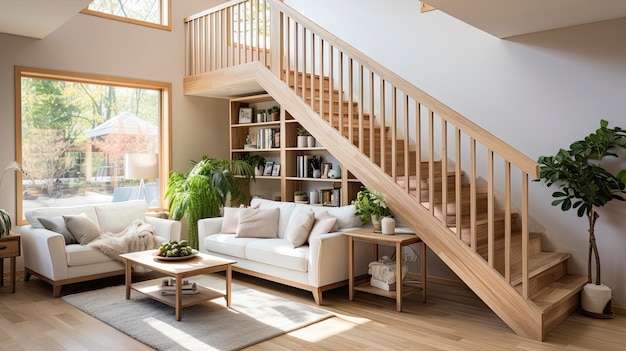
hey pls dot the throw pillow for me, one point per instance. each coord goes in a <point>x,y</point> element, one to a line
<point>261,223</point>
<point>82,228</point>
<point>322,226</point>
<point>299,227</point>
<point>231,219</point>
<point>57,225</point>
<point>325,214</point>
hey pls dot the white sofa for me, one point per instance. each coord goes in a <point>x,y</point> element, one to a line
<point>318,266</point>
<point>47,256</point>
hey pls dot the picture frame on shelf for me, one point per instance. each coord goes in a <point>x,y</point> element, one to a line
<point>326,167</point>
<point>326,197</point>
<point>276,170</point>
<point>245,115</point>
<point>267,171</point>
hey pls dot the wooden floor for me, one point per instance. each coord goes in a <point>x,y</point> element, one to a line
<point>452,319</point>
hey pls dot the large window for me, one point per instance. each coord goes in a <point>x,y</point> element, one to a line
<point>152,13</point>
<point>79,134</point>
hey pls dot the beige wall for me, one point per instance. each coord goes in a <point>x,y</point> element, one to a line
<point>95,45</point>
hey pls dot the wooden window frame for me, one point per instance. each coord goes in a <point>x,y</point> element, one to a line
<point>164,17</point>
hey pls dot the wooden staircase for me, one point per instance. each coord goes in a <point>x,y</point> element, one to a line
<point>552,288</point>
<point>441,173</point>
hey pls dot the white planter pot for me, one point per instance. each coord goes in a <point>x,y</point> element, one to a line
<point>258,170</point>
<point>596,299</point>
<point>310,141</point>
<point>388,225</point>
<point>301,141</point>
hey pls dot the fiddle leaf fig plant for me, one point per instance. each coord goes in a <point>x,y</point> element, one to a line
<point>584,185</point>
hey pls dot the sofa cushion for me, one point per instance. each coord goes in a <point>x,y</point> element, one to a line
<point>322,226</point>
<point>80,255</point>
<point>57,225</point>
<point>227,244</point>
<point>82,228</point>
<point>299,227</point>
<point>32,215</point>
<point>285,212</point>
<point>231,219</point>
<point>278,252</point>
<point>261,223</point>
<point>115,217</point>
<point>345,216</point>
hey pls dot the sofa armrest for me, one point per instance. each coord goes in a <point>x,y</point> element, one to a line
<point>328,258</point>
<point>44,252</point>
<point>166,228</point>
<point>206,227</point>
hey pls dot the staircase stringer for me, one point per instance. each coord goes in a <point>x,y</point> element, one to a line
<point>526,319</point>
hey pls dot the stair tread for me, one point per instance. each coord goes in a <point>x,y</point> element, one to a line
<point>559,290</point>
<point>537,264</point>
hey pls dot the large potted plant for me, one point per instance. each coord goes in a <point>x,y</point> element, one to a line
<point>370,206</point>
<point>202,190</point>
<point>584,185</point>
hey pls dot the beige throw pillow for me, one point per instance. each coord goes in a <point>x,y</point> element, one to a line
<point>257,223</point>
<point>322,226</point>
<point>231,219</point>
<point>299,227</point>
<point>57,225</point>
<point>82,228</point>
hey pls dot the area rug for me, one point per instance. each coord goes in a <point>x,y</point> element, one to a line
<point>253,317</point>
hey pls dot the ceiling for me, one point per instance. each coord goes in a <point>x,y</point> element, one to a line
<point>37,18</point>
<point>507,18</point>
<point>501,18</point>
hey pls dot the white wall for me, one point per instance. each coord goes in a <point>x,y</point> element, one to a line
<point>537,92</point>
<point>88,44</point>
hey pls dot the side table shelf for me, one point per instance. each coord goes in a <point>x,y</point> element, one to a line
<point>9,248</point>
<point>397,240</point>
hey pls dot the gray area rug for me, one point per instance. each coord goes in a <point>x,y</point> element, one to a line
<point>254,317</point>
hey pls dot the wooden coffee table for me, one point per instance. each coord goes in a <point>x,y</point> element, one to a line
<point>198,264</point>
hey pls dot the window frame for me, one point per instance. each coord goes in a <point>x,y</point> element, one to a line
<point>162,26</point>
<point>165,125</point>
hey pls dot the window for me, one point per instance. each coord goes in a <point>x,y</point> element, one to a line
<point>74,132</point>
<point>152,13</point>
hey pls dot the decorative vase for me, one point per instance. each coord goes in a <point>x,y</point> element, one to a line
<point>388,225</point>
<point>314,197</point>
<point>301,141</point>
<point>275,116</point>
<point>317,173</point>
<point>595,300</point>
<point>310,141</point>
<point>376,223</point>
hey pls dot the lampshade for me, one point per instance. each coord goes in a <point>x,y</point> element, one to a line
<point>141,166</point>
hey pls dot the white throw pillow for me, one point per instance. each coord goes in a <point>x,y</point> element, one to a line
<point>257,223</point>
<point>82,228</point>
<point>299,227</point>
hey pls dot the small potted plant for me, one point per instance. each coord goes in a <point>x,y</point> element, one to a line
<point>585,185</point>
<point>371,206</point>
<point>303,134</point>
<point>5,223</point>
<point>275,112</point>
<point>301,196</point>
<point>257,162</point>
<point>260,116</point>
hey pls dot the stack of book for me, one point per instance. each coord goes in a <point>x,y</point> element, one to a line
<point>168,287</point>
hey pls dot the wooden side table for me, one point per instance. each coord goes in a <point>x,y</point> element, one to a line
<point>9,248</point>
<point>396,240</point>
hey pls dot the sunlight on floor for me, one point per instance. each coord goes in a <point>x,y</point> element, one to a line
<point>183,339</point>
<point>327,328</point>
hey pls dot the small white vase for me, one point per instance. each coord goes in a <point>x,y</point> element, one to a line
<point>314,197</point>
<point>310,141</point>
<point>388,225</point>
<point>258,170</point>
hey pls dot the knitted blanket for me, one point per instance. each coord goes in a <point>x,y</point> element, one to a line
<point>138,236</point>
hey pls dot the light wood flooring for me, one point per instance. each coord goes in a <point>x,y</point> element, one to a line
<point>452,319</point>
